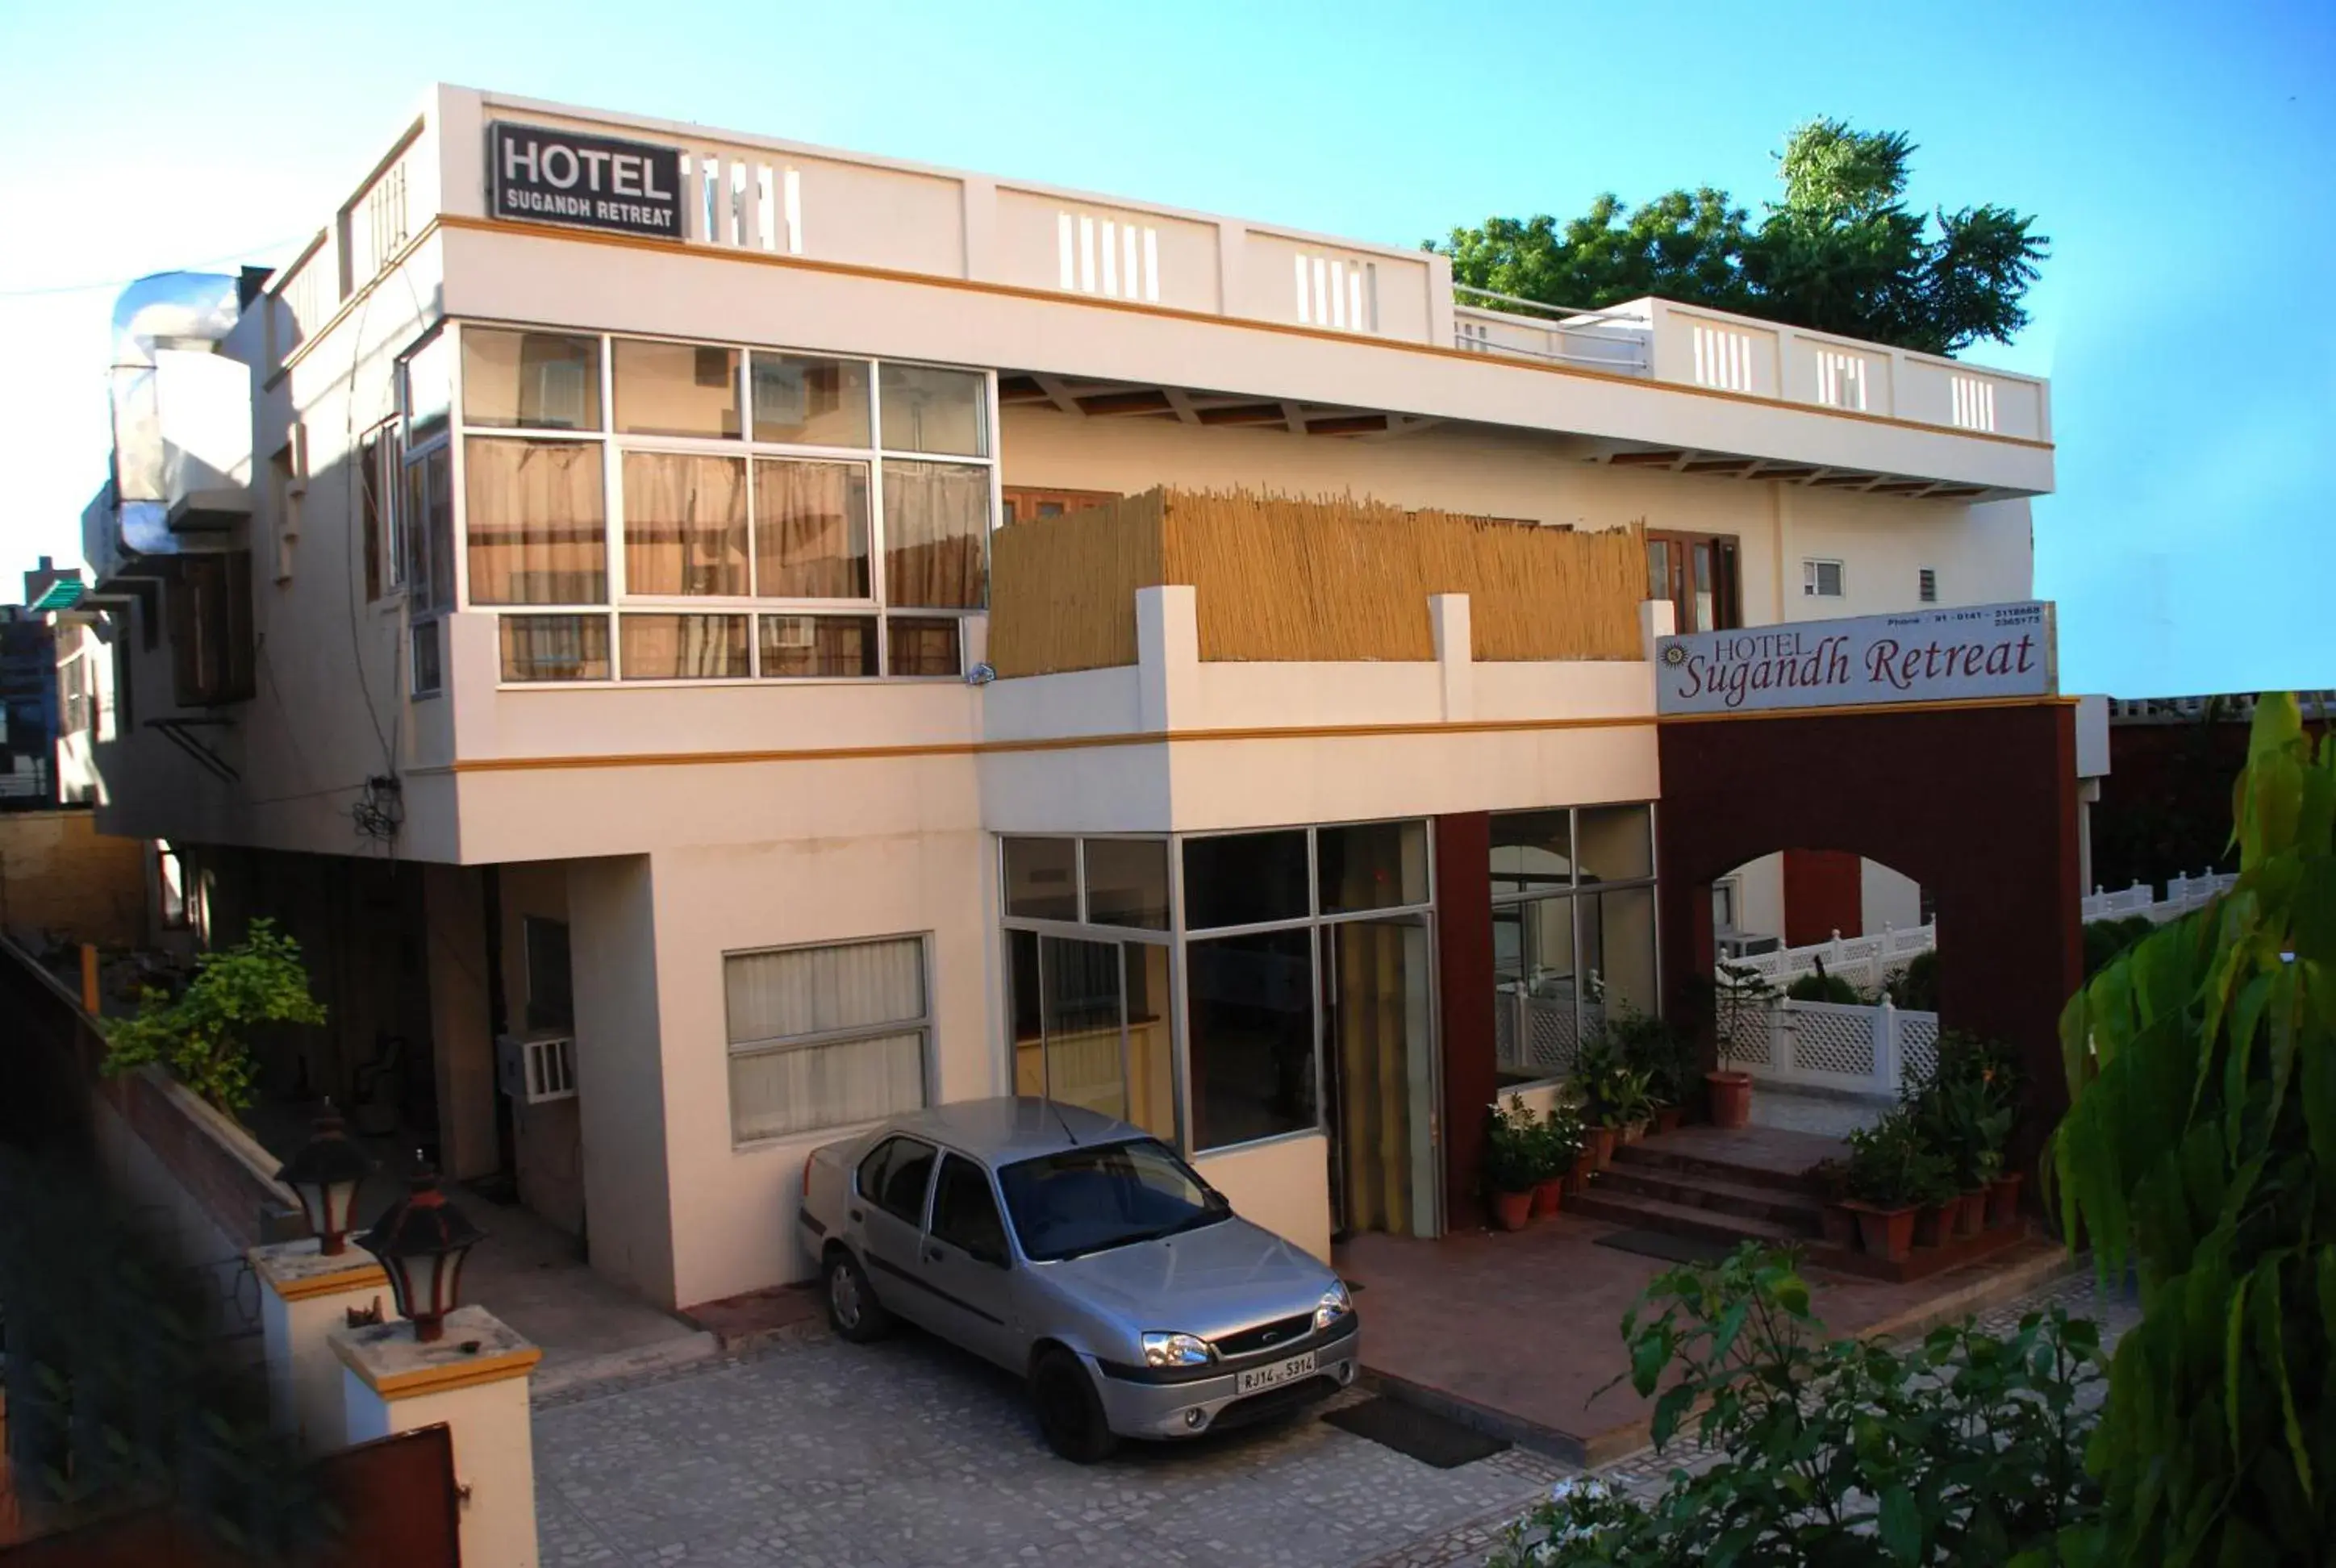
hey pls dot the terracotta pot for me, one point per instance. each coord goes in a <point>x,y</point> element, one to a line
<point>1971,1213</point>
<point>1545,1196</point>
<point>1840,1225</point>
<point>1577,1174</point>
<point>1633,1131</point>
<point>1601,1149</point>
<point>1667,1118</point>
<point>1932,1222</point>
<point>1512,1209</point>
<point>1886,1233</point>
<point>2003,1200</point>
<point>1731,1098</point>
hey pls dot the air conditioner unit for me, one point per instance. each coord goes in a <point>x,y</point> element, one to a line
<point>535,1069</point>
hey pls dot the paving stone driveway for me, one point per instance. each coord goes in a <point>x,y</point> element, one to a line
<point>822,1454</point>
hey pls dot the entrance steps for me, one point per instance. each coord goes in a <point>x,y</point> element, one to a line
<point>1700,1184</point>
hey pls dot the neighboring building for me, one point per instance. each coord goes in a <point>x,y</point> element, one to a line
<point>32,708</point>
<point>589,642</point>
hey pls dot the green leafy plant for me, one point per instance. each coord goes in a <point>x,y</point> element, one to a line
<point>1916,988</point>
<point>1892,1165</point>
<point>2104,940</point>
<point>1662,1052</point>
<point>1739,992</point>
<point>1515,1153</point>
<point>203,1035</point>
<point>1560,1135</point>
<point>2199,1150</point>
<point>1966,1449</point>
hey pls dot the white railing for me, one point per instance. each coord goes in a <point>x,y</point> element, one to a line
<point>1599,340</point>
<point>1541,1035</point>
<point>2182,894</point>
<point>1864,961</point>
<point>1866,1050</point>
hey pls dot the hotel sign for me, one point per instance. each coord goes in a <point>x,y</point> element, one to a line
<point>1977,651</point>
<point>548,176</point>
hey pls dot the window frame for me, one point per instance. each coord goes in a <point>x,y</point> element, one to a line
<point>1813,577</point>
<point>615,443</point>
<point>1577,889</point>
<point>921,1026</point>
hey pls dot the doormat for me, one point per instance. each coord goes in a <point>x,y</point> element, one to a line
<point>1408,1429</point>
<point>1670,1249</point>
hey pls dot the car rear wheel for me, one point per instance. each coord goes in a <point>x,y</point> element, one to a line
<point>852,1310</point>
<point>1070,1413</point>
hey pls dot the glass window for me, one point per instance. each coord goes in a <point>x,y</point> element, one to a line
<point>1618,955</point>
<point>1091,1199</point>
<point>1127,883</point>
<point>1616,844</point>
<point>555,648</point>
<point>819,645</point>
<point>1537,1027</point>
<point>1079,1012</point>
<point>429,672</point>
<point>930,410</point>
<point>811,529</point>
<point>1250,1011</point>
<point>1372,866</point>
<point>825,1037</point>
<point>684,647</point>
<point>895,1177</point>
<point>805,401</point>
<point>685,524</point>
<point>542,380</point>
<point>936,535</point>
<point>429,388</point>
<point>551,985</point>
<point>1042,879</point>
<point>1245,879</point>
<point>965,1215</point>
<point>429,531</point>
<point>1531,851</point>
<point>677,389</point>
<point>922,647</point>
<point>535,520</point>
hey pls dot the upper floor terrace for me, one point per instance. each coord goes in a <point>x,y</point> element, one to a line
<point>542,213</point>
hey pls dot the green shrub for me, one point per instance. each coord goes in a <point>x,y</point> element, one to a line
<point>1916,988</point>
<point>2104,940</point>
<point>202,1034</point>
<point>1665,1054</point>
<point>1821,987</point>
<point>1515,1153</point>
<point>1967,1450</point>
<point>1892,1165</point>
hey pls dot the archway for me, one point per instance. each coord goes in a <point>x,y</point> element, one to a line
<point>1976,802</point>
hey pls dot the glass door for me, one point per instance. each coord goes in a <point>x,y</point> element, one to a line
<point>1379,1075</point>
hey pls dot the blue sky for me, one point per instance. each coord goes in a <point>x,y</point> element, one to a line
<point>2183,160</point>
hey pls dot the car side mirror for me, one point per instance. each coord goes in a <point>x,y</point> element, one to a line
<point>1217,1201</point>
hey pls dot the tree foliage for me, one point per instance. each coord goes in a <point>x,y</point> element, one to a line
<point>1964,1450</point>
<point>2200,1148</point>
<point>1842,252</point>
<point>203,1034</point>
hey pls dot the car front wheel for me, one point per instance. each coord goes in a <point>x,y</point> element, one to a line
<point>1070,1413</point>
<point>852,1310</point>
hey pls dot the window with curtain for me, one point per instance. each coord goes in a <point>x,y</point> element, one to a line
<point>921,647</point>
<point>936,535</point>
<point>676,388</point>
<point>541,379</point>
<point>536,521</point>
<point>429,531</point>
<point>684,525</point>
<point>683,647</point>
<point>825,1037</point>
<point>835,646</point>
<point>808,400</point>
<point>930,409</point>
<point>555,648</point>
<point>811,529</point>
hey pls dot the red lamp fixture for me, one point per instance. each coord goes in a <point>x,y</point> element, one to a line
<point>422,1242</point>
<point>325,1173</point>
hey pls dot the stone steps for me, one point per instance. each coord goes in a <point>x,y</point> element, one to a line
<point>1659,1154</point>
<point>1604,1201</point>
<point>1731,1199</point>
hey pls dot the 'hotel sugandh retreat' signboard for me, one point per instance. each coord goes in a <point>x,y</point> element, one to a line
<point>548,176</point>
<point>1958,655</point>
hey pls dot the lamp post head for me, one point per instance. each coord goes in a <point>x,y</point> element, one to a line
<point>325,1173</point>
<point>422,1241</point>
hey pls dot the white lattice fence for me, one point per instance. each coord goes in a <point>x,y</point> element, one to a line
<point>1836,1046</point>
<point>1918,1045</point>
<point>1751,1046</point>
<point>1833,1040</point>
<point>1864,962</point>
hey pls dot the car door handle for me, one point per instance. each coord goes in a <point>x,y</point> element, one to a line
<point>932,1254</point>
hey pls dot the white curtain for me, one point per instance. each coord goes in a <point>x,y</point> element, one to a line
<point>816,990</point>
<point>799,1089</point>
<point>774,998</point>
<point>685,524</point>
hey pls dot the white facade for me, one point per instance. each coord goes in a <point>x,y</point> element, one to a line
<point>676,827</point>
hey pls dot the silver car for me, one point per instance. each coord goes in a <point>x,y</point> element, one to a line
<point>1084,1254</point>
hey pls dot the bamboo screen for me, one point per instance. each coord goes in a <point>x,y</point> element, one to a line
<point>1285,580</point>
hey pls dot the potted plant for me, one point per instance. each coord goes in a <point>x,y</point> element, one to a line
<point>1891,1173</point>
<point>1964,1111</point>
<point>1666,1056</point>
<point>2003,1198</point>
<point>1941,1200</point>
<point>1513,1162</point>
<point>1559,1133</point>
<point>1831,1179</point>
<point>1634,1106</point>
<point>1597,1072</point>
<point>1742,990</point>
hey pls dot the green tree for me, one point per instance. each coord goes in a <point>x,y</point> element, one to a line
<point>1842,252</point>
<point>203,1033</point>
<point>2200,1149</point>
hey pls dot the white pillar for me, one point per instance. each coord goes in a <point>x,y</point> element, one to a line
<point>304,1295</point>
<point>1167,655</point>
<point>1885,1048</point>
<point>1456,654</point>
<point>474,1380</point>
<point>1658,617</point>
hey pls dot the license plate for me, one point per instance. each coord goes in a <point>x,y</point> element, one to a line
<point>1257,1378</point>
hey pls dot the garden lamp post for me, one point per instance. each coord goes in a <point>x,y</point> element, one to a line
<point>422,1242</point>
<point>325,1172</point>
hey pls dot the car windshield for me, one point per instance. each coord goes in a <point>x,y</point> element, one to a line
<point>1086,1200</point>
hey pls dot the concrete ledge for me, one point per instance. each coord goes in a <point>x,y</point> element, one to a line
<point>666,1355</point>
